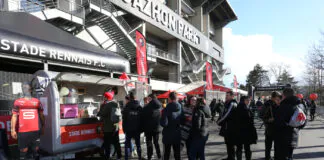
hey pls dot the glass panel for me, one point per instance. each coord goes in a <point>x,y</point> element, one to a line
<point>80,100</point>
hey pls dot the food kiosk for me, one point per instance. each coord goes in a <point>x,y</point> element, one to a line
<point>71,102</point>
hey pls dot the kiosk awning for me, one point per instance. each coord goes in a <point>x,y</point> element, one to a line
<point>25,37</point>
<point>84,78</point>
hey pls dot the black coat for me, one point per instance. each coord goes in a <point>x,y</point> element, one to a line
<point>200,121</point>
<point>269,112</point>
<point>132,117</point>
<point>170,121</point>
<point>228,124</point>
<point>284,134</point>
<point>151,116</point>
<point>246,131</point>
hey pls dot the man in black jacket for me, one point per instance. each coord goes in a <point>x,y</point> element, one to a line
<point>111,127</point>
<point>132,125</point>
<point>228,125</point>
<point>151,116</point>
<point>170,121</point>
<point>270,109</point>
<point>286,137</point>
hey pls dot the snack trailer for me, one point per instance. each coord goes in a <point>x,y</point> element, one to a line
<point>71,102</point>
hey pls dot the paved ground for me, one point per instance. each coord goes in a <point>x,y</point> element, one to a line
<point>311,146</point>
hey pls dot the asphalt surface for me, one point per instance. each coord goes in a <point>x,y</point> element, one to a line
<point>311,142</point>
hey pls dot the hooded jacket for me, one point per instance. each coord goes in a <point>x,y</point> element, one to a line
<point>284,134</point>
<point>200,121</point>
<point>170,121</point>
<point>132,117</point>
<point>151,116</point>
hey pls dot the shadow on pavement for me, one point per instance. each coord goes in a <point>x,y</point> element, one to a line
<point>304,147</point>
<point>313,128</point>
<point>309,155</point>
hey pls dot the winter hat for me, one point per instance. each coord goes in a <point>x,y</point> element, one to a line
<point>109,95</point>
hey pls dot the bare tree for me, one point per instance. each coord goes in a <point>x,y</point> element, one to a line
<point>277,69</point>
<point>315,68</point>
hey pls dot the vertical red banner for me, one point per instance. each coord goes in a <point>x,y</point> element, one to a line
<point>141,60</point>
<point>209,76</point>
<point>235,84</point>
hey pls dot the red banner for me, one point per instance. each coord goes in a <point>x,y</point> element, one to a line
<point>209,76</point>
<point>84,132</point>
<point>5,123</point>
<point>235,84</point>
<point>141,60</point>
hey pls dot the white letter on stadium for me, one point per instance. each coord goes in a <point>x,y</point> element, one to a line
<point>5,45</point>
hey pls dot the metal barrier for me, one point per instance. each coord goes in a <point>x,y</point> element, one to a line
<point>142,90</point>
<point>72,8</point>
<point>210,95</point>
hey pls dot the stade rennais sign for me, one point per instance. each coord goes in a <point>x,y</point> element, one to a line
<point>13,44</point>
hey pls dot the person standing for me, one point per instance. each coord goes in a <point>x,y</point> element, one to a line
<point>170,121</point>
<point>199,132</point>
<point>132,125</point>
<point>186,122</point>
<point>212,107</point>
<point>111,115</point>
<point>228,125</point>
<point>312,110</point>
<point>286,137</point>
<point>28,113</point>
<point>247,134</point>
<point>151,125</point>
<point>270,109</point>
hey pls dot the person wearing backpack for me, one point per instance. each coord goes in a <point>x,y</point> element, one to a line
<point>286,135</point>
<point>132,125</point>
<point>199,131</point>
<point>151,116</point>
<point>111,115</point>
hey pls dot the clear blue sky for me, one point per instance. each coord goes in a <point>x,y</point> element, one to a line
<point>293,24</point>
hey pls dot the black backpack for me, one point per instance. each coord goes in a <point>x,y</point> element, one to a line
<point>134,119</point>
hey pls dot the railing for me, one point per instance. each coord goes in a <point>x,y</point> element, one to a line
<point>155,52</point>
<point>67,6</point>
<point>21,6</point>
<point>107,5</point>
<point>72,8</point>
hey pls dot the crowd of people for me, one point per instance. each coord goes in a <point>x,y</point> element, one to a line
<point>184,124</point>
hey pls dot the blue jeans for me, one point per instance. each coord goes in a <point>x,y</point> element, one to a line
<point>128,147</point>
<point>197,148</point>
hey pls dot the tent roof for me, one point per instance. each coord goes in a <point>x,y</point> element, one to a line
<point>200,90</point>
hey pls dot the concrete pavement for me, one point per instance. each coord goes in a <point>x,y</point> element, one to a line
<point>311,143</point>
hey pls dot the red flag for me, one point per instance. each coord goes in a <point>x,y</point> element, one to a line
<point>141,60</point>
<point>209,76</point>
<point>124,77</point>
